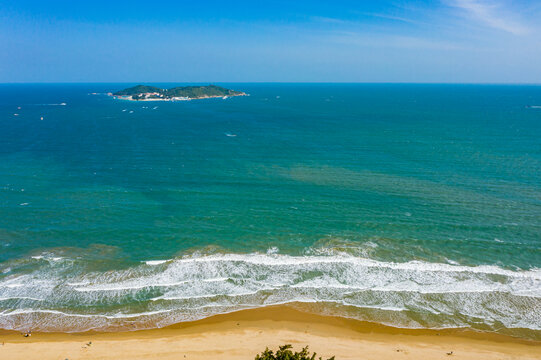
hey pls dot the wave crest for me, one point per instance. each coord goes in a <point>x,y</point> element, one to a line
<point>161,292</point>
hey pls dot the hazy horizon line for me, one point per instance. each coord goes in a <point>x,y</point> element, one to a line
<point>274,82</point>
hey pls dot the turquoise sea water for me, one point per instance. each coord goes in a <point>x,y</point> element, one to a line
<point>409,205</point>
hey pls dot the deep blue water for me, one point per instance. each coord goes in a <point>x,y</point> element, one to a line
<point>411,205</point>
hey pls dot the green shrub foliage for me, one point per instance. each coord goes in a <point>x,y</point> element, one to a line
<point>285,353</point>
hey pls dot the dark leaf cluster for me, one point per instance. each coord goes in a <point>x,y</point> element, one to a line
<point>285,353</point>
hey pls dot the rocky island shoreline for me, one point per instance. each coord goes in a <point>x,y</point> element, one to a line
<point>180,93</point>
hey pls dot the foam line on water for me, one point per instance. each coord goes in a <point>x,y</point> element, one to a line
<point>439,294</point>
<point>261,259</point>
<point>56,312</point>
<point>126,287</point>
<point>155,262</point>
<point>19,298</point>
<point>142,286</point>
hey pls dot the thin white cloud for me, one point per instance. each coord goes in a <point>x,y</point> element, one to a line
<point>329,20</point>
<point>391,17</point>
<point>491,14</point>
<point>391,41</point>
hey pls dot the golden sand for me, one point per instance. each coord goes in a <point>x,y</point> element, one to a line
<point>243,334</point>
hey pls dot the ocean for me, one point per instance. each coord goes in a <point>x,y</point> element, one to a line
<point>411,205</point>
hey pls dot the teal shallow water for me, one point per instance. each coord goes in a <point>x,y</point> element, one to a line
<point>411,205</point>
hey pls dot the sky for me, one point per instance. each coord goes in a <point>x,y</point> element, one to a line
<point>441,41</point>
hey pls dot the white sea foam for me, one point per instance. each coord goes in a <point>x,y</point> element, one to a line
<point>19,298</point>
<point>127,286</point>
<point>12,285</point>
<point>155,262</point>
<point>47,257</point>
<point>440,294</point>
<point>56,312</point>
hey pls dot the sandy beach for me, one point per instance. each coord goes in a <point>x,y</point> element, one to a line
<point>243,334</point>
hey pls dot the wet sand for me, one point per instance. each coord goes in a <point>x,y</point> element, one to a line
<point>243,334</point>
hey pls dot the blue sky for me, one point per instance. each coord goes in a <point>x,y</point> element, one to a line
<point>465,41</point>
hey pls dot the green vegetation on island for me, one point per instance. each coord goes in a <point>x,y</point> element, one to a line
<point>144,92</point>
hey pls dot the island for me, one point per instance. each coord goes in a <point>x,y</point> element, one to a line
<point>153,93</point>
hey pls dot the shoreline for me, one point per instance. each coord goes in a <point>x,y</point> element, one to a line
<point>243,334</point>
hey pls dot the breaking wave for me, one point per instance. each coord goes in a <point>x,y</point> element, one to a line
<point>51,293</point>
